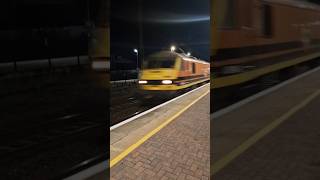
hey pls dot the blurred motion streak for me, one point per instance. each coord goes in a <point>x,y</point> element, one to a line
<point>254,39</point>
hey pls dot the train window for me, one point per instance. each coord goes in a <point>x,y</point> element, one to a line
<point>229,20</point>
<point>193,68</point>
<point>266,20</point>
<point>159,62</point>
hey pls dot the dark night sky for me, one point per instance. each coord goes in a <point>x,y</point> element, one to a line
<point>42,13</point>
<point>184,23</point>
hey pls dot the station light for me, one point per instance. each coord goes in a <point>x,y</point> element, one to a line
<point>173,48</point>
<point>166,82</point>
<point>135,50</point>
<point>188,54</point>
<point>142,82</point>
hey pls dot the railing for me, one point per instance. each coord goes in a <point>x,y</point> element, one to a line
<point>124,83</point>
<point>14,66</point>
<point>123,78</point>
<point>123,74</point>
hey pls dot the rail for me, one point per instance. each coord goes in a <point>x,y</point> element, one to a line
<point>77,170</point>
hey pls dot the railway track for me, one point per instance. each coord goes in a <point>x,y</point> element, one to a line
<point>128,105</point>
<point>49,152</point>
<point>44,133</point>
<point>50,124</point>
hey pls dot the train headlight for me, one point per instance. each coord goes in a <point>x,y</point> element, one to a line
<point>142,82</point>
<point>166,82</point>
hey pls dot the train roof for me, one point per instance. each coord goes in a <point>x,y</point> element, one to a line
<point>296,3</point>
<point>181,55</point>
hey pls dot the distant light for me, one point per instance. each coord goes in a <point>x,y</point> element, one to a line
<point>176,18</point>
<point>135,50</point>
<point>143,82</point>
<point>173,48</point>
<point>188,54</point>
<point>166,82</point>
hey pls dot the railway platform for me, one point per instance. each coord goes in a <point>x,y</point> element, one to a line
<point>272,135</point>
<point>169,142</point>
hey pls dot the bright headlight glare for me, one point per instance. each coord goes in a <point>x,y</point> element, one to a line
<point>166,82</point>
<point>143,82</point>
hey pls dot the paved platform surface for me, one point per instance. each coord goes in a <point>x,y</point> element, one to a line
<point>178,151</point>
<point>125,136</point>
<point>290,151</point>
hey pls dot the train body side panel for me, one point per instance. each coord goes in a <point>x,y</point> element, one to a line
<point>257,37</point>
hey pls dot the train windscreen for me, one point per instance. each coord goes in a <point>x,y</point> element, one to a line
<point>159,62</point>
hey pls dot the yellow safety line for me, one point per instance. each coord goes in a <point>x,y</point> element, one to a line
<point>220,164</point>
<point>124,153</point>
<point>250,75</point>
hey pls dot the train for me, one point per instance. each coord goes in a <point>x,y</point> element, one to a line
<point>254,39</point>
<point>166,73</point>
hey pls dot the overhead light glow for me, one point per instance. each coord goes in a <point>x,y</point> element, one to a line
<point>173,48</point>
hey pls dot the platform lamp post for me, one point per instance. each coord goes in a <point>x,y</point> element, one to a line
<point>137,61</point>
